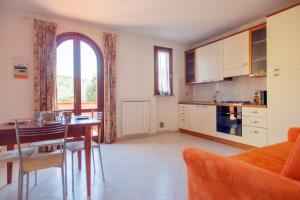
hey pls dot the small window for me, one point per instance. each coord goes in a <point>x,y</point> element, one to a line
<point>163,78</point>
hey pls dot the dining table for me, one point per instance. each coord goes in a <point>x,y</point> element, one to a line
<point>76,129</point>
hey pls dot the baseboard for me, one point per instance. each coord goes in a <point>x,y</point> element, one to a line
<point>137,136</point>
<point>216,139</point>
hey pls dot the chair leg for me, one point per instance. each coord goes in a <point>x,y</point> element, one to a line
<point>20,185</point>
<point>72,172</point>
<point>27,186</point>
<point>94,160</point>
<point>66,175</point>
<point>100,156</point>
<point>63,182</point>
<point>35,172</point>
<point>35,178</point>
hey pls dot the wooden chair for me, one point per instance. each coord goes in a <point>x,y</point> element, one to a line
<point>43,161</point>
<point>75,147</point>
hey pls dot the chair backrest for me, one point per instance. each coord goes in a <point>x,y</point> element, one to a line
<point>98,116</point>
<point>58,130</point>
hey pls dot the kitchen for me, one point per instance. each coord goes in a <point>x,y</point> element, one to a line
<point>244,84</point>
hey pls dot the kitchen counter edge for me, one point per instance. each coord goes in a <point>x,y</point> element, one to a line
<point>222,104</point>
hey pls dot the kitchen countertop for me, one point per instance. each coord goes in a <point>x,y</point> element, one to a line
<point>221,104</point>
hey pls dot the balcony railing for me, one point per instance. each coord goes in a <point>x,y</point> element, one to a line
<point>70,105</point>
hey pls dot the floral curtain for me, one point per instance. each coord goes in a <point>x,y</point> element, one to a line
<point>109,40</point>
<point>44,65</point>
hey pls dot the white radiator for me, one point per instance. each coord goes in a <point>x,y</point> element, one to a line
<point>135,117</point>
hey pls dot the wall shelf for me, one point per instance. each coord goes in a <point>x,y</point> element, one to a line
<point>190,66</point>
<point>260,41</point>
<point>259,59</point>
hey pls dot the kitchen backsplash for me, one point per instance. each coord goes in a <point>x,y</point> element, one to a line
<point>240,88</point>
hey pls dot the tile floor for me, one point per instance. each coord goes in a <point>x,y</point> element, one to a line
<point>149,168</point>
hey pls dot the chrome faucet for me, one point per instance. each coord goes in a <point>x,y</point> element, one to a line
<point>218,96</point>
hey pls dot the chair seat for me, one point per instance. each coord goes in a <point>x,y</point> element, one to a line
<point>79,145</point>
<point>43,161</point>
<point>10,156</point>
<point>47,142</point>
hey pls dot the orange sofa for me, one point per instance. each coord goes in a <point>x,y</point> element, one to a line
<point>255,174</point>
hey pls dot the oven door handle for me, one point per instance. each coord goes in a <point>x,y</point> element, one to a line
<point>231,113</point>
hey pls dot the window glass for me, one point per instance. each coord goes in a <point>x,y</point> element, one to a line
<point>163,71</point>
<point>88,65</point>
<point>65,75</point>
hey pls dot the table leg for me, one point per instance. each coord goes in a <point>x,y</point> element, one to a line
<point>87,145</point>
<point>79,154</point>
<point>9,165</point>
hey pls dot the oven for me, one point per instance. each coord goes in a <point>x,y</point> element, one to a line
<point>229,119</point>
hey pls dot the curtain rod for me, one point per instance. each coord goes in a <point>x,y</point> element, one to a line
<point>28,18</point>
<point>32,18</point>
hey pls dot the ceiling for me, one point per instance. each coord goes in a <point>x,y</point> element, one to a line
<point>184,21</point>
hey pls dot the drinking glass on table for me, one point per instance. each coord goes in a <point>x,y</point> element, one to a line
<point>37,117</point>
<point>67,116</point>
<point>97,115</point>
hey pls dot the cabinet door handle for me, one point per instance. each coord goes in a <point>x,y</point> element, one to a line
<point>274,70</point>
<point>255,112</point>
<point>255,122</point>
<point>255,132</point>
<point>273,75</point>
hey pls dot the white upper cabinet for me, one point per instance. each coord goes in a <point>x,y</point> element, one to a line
<point>209,62</point>
<point>236,55</point>
<point>283,32</point>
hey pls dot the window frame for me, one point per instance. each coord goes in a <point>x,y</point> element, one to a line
<point>77,37</point>
<point>156,78</point>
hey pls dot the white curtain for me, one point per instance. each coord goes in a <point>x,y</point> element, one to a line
<point>164,87</point>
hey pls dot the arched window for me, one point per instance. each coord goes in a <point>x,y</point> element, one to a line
<point>79,72</point>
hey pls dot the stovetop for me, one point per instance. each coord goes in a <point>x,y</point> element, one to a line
<point>236,102</point>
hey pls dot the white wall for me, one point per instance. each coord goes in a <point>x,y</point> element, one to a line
<point>135,77</point>
<point>235,30</point>
<point>135,73</point>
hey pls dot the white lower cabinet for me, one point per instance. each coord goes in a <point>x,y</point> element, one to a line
<point>254,122</point>
<point>255,136</point>
<point>184,116</point>
<point>254,126</point>
<point>198,118</point>
<point>202,119</point>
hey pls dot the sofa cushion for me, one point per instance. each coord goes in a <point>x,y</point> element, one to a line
<point>272,157</point>
<point>293,134</point>
<point>291,167</point>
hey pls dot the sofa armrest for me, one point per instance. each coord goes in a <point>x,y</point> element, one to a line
<point>293,134</point>
<point>216,178</point>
